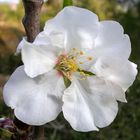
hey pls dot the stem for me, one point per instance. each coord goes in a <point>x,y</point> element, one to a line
<point>31,22</point>
<point>39,133</point>
<point>67,3</point>
<point>22,131</point>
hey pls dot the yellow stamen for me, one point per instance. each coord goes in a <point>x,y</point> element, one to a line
<point>80,62</point>
<point>82,73</point>
<point>72,65</point>
<point>89,58</point>
<point>81,53</point>
<point>67,65</point>
<point>75,49</point>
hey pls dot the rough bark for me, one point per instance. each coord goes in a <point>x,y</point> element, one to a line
<point>31,20</point>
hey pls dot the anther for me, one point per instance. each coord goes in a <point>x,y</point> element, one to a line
<point>75,49</point>
<point>90,58</point>
<point>81,53</point>
<point>80,62</point>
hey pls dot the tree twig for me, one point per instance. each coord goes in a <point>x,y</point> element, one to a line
<point>22,131</point>
<point>31,20</point>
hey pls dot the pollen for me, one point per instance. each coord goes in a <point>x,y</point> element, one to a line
<point>83,74</point>
<point>72,65</point>
<point>81,53</point>
<point>67,65</point>
<point>89,58</point>
<point>81,62</point>
<point>75,49</point>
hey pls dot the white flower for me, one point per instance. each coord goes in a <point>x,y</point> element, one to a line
<point>90,56</point>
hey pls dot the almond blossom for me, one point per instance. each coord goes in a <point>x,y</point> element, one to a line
<point>78,65</point>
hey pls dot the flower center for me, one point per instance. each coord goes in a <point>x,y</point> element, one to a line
<point>71,62</point>
<point>66,65</point>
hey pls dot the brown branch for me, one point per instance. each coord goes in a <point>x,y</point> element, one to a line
<point>31,22</point>
<point>22,131</point>
<point>39,133</point>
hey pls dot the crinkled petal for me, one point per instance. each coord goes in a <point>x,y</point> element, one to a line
<point>37,59</point>
<point>105,106</point>
<point>42,39</point>
<point>55,40</point>
<point>122,73</point>
<point>35,101</point>
<point>112,41</point>
<point>88,104</point>
<point>117,92</point>
<point>76,109</point>
<point>78,25</point>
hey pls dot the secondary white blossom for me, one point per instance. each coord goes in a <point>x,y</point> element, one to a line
<point>77,65</point>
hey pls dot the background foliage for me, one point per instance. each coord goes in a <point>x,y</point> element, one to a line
<point>127,123</point>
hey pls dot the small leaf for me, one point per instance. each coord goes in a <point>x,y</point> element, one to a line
<point>67,3</point>
<point>5,133</point>
<point>86,72</point>
<point>67,82</point>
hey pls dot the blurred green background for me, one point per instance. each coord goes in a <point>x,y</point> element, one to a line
<point>127,123</point>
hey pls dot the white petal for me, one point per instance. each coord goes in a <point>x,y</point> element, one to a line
<point>84,62</point>
<point>89,104</point>
<point>116,91</point>
<point>57,39</point>
<point>76,109</point>
<point>35,101</point>
<point>104,105</point>
<point>116,70</point>
<point>112,41</point>
<point>78,25</point>
<point>42,39</point>
<point>21,45</point>
<point>99,84</point>
<point>54,42</point>
<point>37,59</point>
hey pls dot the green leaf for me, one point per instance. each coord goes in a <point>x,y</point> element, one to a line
<point>5,133</point>
<point>67,82</point>
<point>86,72</point>
<point>67,3</point>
